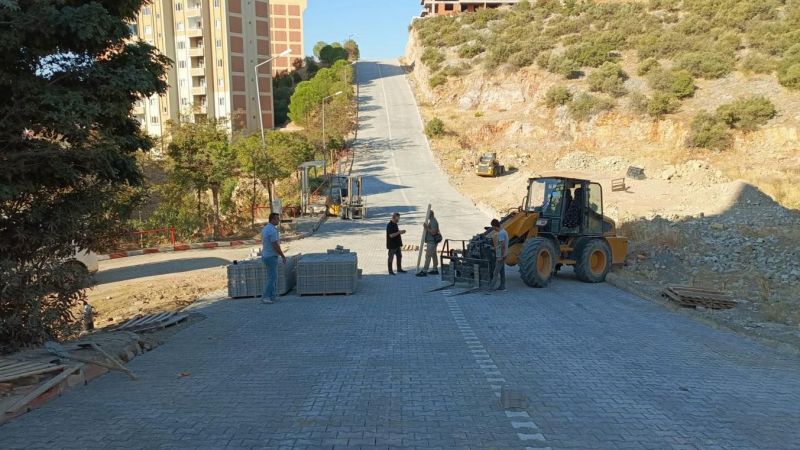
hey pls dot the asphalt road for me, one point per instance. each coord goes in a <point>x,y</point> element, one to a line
<point>572,366</point>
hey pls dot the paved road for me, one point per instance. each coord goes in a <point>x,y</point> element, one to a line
<point>591,367</point>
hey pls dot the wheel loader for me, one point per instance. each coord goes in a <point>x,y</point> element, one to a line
<point>560,222</point>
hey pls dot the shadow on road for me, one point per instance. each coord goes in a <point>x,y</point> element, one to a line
<point>157,268</point>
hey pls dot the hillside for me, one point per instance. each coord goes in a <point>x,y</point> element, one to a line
<point>702,95</point>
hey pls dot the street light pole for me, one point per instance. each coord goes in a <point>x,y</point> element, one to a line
<point>261,125</point>
<point>325,141</point>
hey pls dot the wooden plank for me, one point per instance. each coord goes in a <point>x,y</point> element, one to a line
<point>172,321</point>
<point>24,367</point>
<point>422,239</point>
<point>44,387</point>
<point>130,323</point>
<point>14,366</point>
<point>30,373</point>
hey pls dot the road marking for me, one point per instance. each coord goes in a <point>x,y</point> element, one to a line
<point>391,138</point>
<point>494,375</point>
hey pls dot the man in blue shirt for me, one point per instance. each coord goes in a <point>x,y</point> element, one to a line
<point>270,250</point>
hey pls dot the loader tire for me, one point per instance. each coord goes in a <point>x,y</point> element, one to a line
<point>593,261</point>
<point>537,262</point>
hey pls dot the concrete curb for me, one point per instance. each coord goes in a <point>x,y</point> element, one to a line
<point>204,245</point>
<point>179,248</point>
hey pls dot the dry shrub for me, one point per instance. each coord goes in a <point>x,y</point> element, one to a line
<point>657,233</point>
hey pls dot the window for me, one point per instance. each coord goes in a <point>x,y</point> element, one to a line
<point>148,29</point>
<point>222,101</point>
<point>218,23</point>
<point>594,215</point>
<point>219,63</point>
<point>179,6</point>
<point>182,82</point>
<point>152,101</point>
<point>181,45</point>
<point>146,11</point>
<point>180,26</point>
<point>153,119</point>
<point>184,101</point>
<point>220,82</point>
<point>219,43</point>
<point>216,3</point>
<point>181,64</point>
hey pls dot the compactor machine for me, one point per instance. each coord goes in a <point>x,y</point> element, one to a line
<point>560,222</point>
<point>489,166</point>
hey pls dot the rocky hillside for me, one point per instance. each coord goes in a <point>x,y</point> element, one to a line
<point>702,95</point>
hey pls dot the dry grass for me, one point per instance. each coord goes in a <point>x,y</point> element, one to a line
<point>656,233</point>
<point>779,184</point>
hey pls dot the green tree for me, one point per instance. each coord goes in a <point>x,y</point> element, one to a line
<point>329,55</point>
<point>203,160</point>
<point>305,108</point>
<point>69,77</point>
<point>353,52</point>
<point>318,48</point>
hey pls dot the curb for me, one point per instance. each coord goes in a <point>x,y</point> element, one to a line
<point>179,248</point>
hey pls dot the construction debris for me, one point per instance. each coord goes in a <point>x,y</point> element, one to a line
<point>694,297</point>
<point>152,322</point>
<point>11,370</point>
<point>62,352</point>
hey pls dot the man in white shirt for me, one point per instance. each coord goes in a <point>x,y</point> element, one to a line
<point>500,254</point>
<point>270,251</point>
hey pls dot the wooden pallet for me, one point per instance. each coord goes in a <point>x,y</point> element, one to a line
<point>13,370</point>
<point>152,322</point>
<point>694,297</point>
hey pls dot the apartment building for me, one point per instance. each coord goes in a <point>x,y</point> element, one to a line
<point>215,45</point>
<point>453,7</point>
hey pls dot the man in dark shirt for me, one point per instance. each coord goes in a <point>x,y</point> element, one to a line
<point>394,243</point>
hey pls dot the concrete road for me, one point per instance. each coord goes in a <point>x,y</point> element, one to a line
<point>581,366</point>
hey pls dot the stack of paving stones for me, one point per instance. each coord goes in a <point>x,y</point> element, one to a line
<point>331,273</point>
<point>247,278</point>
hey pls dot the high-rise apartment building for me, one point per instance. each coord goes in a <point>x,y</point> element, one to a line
<point>215,45</point>
<point>286,20</point>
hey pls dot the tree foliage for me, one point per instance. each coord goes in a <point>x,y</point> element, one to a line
<point>202,161</point>
<point>330,54</point>
<point>305,108</point>
<point>68,80</point>
<point>353,52</point>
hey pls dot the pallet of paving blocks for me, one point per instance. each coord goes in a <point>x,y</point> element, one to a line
<point>330,273</point>
<point>248,278</point>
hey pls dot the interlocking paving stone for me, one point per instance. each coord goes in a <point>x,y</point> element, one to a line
<point>389,367</point>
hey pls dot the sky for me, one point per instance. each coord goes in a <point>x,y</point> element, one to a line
<point>380,26</point>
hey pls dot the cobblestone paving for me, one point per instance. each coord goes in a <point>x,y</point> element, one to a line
<point>588,366</point>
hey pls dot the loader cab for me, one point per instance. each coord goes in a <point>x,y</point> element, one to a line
<point>567,206</point>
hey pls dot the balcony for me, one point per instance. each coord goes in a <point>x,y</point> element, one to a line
<point>196,51</point>
<point>198,71</point>
<point>199,90</point>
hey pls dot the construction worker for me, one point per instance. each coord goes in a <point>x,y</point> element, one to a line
<point>270,251</point>
<point>432,239</point>
<point>500,254</point>
<point>394,243</point>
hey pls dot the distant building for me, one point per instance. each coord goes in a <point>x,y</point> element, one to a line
<point>215,45</point>
<point>453,7</point>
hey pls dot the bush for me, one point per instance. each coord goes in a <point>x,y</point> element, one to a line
<point>709,131</point>
<point>590,54</point>
<point>748,113</point>
<point>758,63</point>
<point>647,66</point>
<point>609,78</point>
<point>708,65</point>
<point>638,102</point>
<point>662,104</point>
<point>679,83</point>
<point>469,51</point>
<point>789,76</point>
<point>584,106</point>
<point>557,96</point>
<point>559,64</point>
<point>437,80</point>
<point>434,127</point>
<point>433,58</point>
